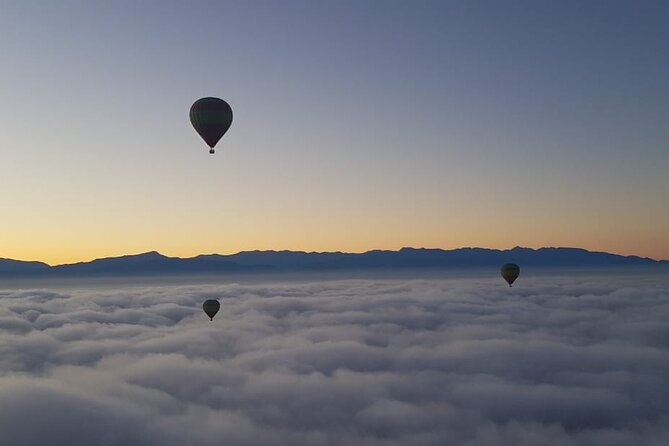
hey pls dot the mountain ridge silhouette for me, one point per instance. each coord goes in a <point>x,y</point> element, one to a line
<point>153,262</point>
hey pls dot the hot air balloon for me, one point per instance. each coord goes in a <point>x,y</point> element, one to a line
<point>211,307</point>
<point>510,272</point>
<point>211,118</point>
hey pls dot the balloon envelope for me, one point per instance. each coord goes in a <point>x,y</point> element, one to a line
<point>211,118</point>
<point>510,272</point>
<point>211,307</point>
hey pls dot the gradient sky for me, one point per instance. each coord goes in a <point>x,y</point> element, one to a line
<point>358,125</point>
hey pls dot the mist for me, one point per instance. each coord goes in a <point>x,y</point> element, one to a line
<point>422,360</point>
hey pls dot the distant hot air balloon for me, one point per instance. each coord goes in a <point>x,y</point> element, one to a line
<point>510,272</point>
<point>211,118</point>
<point>211,307</point>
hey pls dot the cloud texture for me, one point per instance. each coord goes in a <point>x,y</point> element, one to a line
<point>552,361</point>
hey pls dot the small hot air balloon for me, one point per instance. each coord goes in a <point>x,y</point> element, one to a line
<point>211,118</point>
<point>211,307</point>
<point>510,272</point>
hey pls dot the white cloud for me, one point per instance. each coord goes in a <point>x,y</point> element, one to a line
<point>552,361</point>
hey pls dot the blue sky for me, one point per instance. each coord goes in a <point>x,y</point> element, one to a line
<point>358,125</point>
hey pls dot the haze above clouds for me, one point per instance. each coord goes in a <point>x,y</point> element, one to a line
<point>552,361</point>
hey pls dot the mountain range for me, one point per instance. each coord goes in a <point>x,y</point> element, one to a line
<point>154,263</point>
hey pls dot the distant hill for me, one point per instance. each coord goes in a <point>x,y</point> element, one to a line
<point>9,267</point>
<point>154,263</point>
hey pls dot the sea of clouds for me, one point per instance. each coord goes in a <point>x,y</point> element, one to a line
<point>551,361</point>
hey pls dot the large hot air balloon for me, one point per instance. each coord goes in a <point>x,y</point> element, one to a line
<point>211,307</point>
<point>211,118</point>
<point>510,272</point>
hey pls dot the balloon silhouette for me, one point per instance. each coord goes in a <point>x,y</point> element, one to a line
<point>510,272</point>
<point>211,118</point>
<point>211,307</point>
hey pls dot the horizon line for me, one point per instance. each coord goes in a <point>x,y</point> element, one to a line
<point>331,252</point>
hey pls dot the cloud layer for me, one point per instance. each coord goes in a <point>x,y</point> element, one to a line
<point>552,361</point>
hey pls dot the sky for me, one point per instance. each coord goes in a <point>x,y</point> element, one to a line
<point>357,125</point>
<point>553,361</point>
